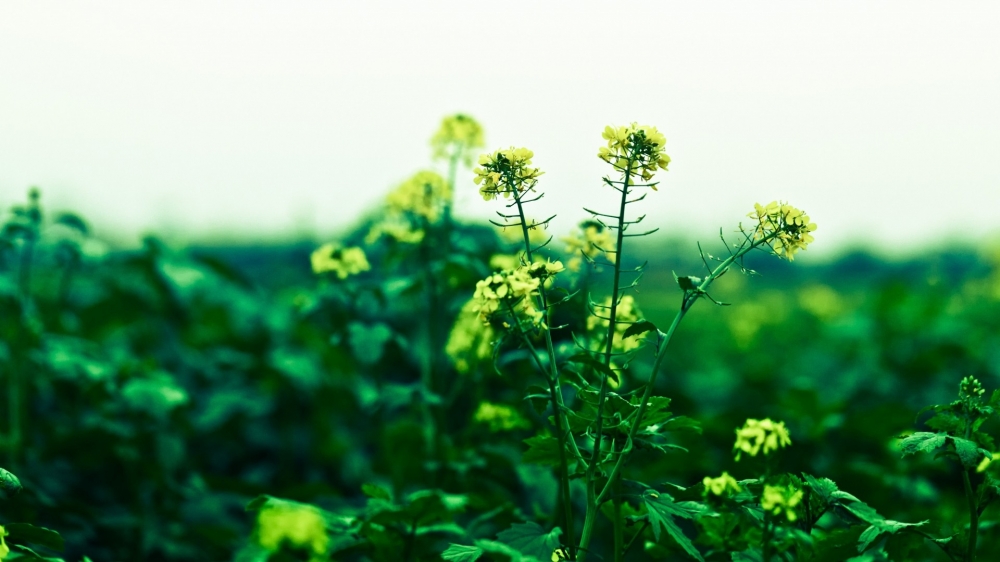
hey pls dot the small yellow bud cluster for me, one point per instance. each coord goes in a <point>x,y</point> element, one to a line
<point>789,227</point>
<point>591,240</point>
<point>459,133</point>
<point>635,149</point>
<point>301,526</point>
<point>422,195</point>
<point>506,172</point>
<point>515,289</point>
<point>756,435</point>
<point>341,261</point>
<point>626,314</point>
<point>721,486</point>
<point>781,499</point>
<point>500,417</point>
<point>970,387</point>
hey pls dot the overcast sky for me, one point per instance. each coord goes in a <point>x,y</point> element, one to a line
<point>880,119</point>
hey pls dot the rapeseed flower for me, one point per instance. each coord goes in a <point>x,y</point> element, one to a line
<point>301,526</point>
<point>506,172</point>
<point>591,240</point>
<point>423,195</point>
<point>721,486</point>
<point>781,499</point>
<point>761,435</point>
<point>343,262</point>
<point>635,149</point>
<point>499,417</point>
<point>470,340</point>
<point>458,135</point>
<point>787,227</point>
<point>514,289</point>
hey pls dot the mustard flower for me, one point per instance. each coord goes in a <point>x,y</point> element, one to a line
<point>506,172</point>
<point>635,149</point>
<point>423,195</point>
<point>500,417</point>
<point>781,499</point>
<point>591,240</point>
<point>397,229</point>
<point>757,435</point>
<point>301,526</point>
<point>788,227</point>
<point>470,340</point>
<point>514,289</point>
<point>342,261</point>
<point>721,486</point>
<point>458,135</point>
<point>626,314</point>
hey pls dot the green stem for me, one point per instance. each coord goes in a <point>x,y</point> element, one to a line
<point>634,537</point>
<point>973,516</point>
<point>619,528</point>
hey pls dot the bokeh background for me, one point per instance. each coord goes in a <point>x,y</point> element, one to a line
<point>178,357</point>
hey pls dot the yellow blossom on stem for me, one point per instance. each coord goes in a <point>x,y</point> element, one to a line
<point>788,227</point>
<point>626,314</point>
<point>500,417</point>
<point>590,241</point>
<point>781,499</point>
<point>341,261</point>
<point>506,172</point>
<point>514,289</point>
<point>470,340</point>
<point>458,134</point>
<point>758,435</point>
<point>424,195</point>
<point>635,149</point>
<point>721,486</point>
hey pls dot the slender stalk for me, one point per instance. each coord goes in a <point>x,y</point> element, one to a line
<point>619,535</point>
<point>971,497</point>
<point>635,536</point>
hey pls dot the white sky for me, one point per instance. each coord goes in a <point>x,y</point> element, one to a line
<point>880,119</point>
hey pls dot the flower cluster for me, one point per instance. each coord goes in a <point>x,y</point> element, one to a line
<point>721,486</point>
<point>781,499</point>
<point>500,417</point>
<point>470,340</point>
<point>592,240</point>
<point>423,195</point>
<point>970,387</point>
<point>301,526</point>
<point>341,261</point>
<point>457,135</point>
<point>787,228</point>
<point>626,314</point>
<point>635,150</point>
<point>756,435</point>
<point>506,172</point>
<point>514,289</point>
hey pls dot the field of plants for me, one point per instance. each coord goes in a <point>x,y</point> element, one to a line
<point>528,389</point>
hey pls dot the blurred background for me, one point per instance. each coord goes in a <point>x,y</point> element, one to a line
<point>177,356</point>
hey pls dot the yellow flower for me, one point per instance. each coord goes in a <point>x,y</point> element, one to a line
<point>458,135</point>
<point>470,340</point>
<point>424,195</point>
<point>397,229</point>
<point>342,261</point>
<point>301,526</point>
<point>722,485</point>
<point>506,172</point>
<point>514,289</point>
<point>757,435</point>
<point>778,499</point>
<point>635,150</point>
<point>500,417</point>
<point>626,314</point>
<point>789,228</point>
<point>4,549</point>
<point>590,241</point>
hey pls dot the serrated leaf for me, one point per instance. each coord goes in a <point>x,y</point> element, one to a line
<point>462,553</point>
<point>823,487</point>
<point>639,328</point>
<point>38,536</point>
<point>10,486</point>
<point>542,449</point>
<point>968,451</point>
<point>662,510</point>
<point>879,527</point>
<point>922,441</point>
<point>531,539</point>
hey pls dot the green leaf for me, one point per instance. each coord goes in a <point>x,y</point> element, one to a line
<point>71,220</point>
<point>38,536</point>
<point>32,555</point>
<point>662,510</point>
<point>968,452</point>
<point>639,328</point>
<point>375,491</point>
<point>586,359</point>
<point>462,553</point>
<point>542,449</point>
<point>10,486</point>
<point>922,441</point>
<point>880,527</point>
<point>531,539</point>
